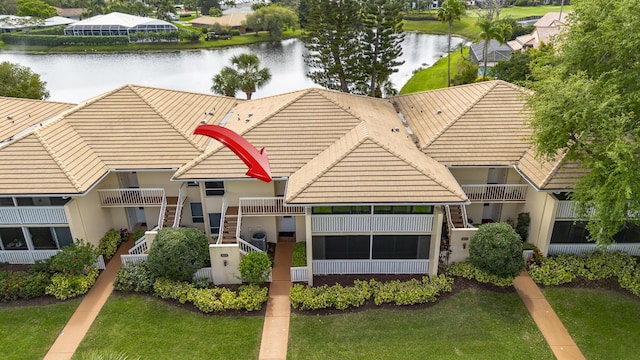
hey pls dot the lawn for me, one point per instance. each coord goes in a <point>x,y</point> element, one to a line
<point>433,77</point>
<point>466,27</point>
<point>473,324</point>
<point>149,328</point>
<point>27,332</point>
<point>603,323</point>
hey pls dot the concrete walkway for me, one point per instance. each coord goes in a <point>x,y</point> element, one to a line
<point>557,336</point>
<point>81,320</point>
<point>275,333</point>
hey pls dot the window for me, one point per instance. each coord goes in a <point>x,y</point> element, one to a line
<point>197,216</point>
<point>342,210</point>
<point>12,239</point>
<point>214,188</point>
<point>63,235</point>
<point>403,209</point>
<point>42,238</point>
<point>214,223</point>
<point>6,202</point>
<point>568,232</point>
<point>401,246</point>
<point>341,247</point>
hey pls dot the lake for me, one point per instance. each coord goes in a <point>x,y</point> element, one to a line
<point>78,77</point>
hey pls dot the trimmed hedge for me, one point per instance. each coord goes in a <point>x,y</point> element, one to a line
<point>343,297</point>
<point>598,265</point>
<point>177,253</point>
<point>217,299</point>
<point>109,243</point>
<point>60,40</point>
<point>134,277</point>
<point>469,271</point>
<point>65,286</point>
<point>15,285</point>
<point>497,249</point>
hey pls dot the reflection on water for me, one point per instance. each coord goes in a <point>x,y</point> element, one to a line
<point>73,78</point>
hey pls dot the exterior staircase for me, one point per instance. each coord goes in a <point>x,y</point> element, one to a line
<point>170,211</point>
<point>229,226</point>
<point>456,216</point>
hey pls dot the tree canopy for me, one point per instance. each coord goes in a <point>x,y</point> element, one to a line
<point>353,46</point>
<point>35,8</point>
<point>586,106</point>
<point>272,18</point>
<point>245,75</point>
<point>449,11</point>
<point>19,81</point>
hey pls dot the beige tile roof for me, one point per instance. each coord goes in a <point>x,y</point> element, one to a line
<point>481,124</point>
<point>18,114</point>
<point>549,175</point>
<point>229,20</point>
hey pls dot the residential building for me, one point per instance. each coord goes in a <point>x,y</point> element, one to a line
<point>545,30</point>
<point>371,185</point>
<point>116,23</point>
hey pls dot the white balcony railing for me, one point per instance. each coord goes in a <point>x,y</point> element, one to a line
<point>632,249</point>
<point>371,223</point>
<point>131,197</point>
<point>566,209</point>
<point>325,267</point>
<point>31,256</point>
<point>32,215</point>
<point>496,192</point>
<point>267,206</point>
<point>299,274</point>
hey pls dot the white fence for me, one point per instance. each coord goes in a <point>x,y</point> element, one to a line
<point>204,273</point>
<point>325,267</point>
<point>267,206</point>
<point>496,192</point>
<point>566,210</point>
<point>31,256</point>
<point>131,197</point>
<point>366,223</point>
<point>130,259</point>
<point>299,274</point>
<point>32,215</point>
<point>579,249</point>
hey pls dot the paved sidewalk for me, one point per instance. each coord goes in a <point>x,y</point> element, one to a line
<point>275,333</point>
<point>557,336</point>
<point>81,320</point>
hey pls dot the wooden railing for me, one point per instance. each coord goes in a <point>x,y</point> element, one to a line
<point>326,267</point>
<point>582,248</point>
<point>496,192</point>
<point>132,197</point>
<point>371,223</point>
<point>268,206</point>
<point>32,215</point>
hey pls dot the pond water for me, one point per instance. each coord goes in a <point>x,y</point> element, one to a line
<point>78,77</point>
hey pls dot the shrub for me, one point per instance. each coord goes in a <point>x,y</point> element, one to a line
<point>411,292</point>
<point>255,268</point>
<point>299,257</point>
<point>177,253</point>
<point>496,249</point>
<point>109,243</point>
<point>522,226</point>
<point>15,285</point>
<point>469,271</point>
<point>65,286</point>
<point>75,259</point>
<point>138,234</point>
<point>134,277</point>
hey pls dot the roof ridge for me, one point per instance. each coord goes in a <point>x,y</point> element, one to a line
<point>275,111</point>
<point>464,112</point>
<point>415,166</point>
<point>348,109</point>
<point>171,124</point>
<point>57,159</point>
<point>335,161</point>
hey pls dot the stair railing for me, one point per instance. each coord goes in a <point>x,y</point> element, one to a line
<point>163,209</point>
<point>222,215</point>
<point>182,196</point>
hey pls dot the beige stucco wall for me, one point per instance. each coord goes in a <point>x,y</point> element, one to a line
<point>247,188</point>
<point>87,219</point>
<point>459,244</point>
<point>301,228</point>
<point>436,235</point>
<point>225,259</point>
<point>251,224</point>
<point>470,175</point>
<point>541,207</point>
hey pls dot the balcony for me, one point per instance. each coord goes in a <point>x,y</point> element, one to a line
<point>268,206</point>
<point>10,215</point>
<point>131,197</point>
<point>368,223</point>
<point>487,193</point>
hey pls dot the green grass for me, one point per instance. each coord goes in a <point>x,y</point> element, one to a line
<point>27,332</point>
<point>470,325</point>
<point>433,77</point>
<point>603,323</point>
<point>466,27</point>
<point>149,328</point>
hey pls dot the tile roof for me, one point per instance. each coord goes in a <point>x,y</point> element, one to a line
<point>18,114</point>
<point>472,125</point>
<point>549,175</point>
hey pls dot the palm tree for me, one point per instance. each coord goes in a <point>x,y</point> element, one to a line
<point>449,11</point>
<point>492,30</point>
<point>245,75</point>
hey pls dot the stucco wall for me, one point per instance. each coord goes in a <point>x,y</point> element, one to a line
<point>247,188</point>
<point>251,224</point>
<point>541,207</point>
<point>470,175</point>
<point>87,219</point>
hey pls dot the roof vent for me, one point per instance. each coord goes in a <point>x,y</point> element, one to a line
<point>247,120</point>
<point>9,117</point>
<point>210,112</point>
<point>438,111</point>
<point>203,121</point>
<point>395,130</point>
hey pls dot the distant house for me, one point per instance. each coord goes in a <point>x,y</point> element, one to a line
<point>495,52</point>
<point>235,21</point>
<point>12,23</point>
<point>117,23</point>
<point>546,28</point>
<point>71,13</point>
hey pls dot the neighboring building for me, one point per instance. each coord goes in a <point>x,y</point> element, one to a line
<point>546,28</point>
<point>12,23</point>
<point>58,20</point>
<point>371,185</point>
<point>495,52</point>
<point>235,21</point>
<point>71,13</point>
<point>117,24</point>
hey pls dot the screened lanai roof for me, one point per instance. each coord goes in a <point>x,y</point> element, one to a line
<point>120,21</point>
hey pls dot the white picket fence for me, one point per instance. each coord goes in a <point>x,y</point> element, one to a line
<point>299,274</point>
<point>579,249</point>
<point>325,267</point>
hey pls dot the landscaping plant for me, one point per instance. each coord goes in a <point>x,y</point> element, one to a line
<point>255,268</point>
<point>177,253</point>
<point>109,243</point>
<point>134,277</point>
<point>496,249</point>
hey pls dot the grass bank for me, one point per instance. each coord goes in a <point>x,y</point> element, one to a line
<point>473,325</point>
<point>149,328</point>
<point>27,332</point>
<point>435,76</point>
<point>603,323</point>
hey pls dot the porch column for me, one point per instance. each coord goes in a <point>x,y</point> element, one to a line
<point>309,247</point>
<point>436,235</point>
